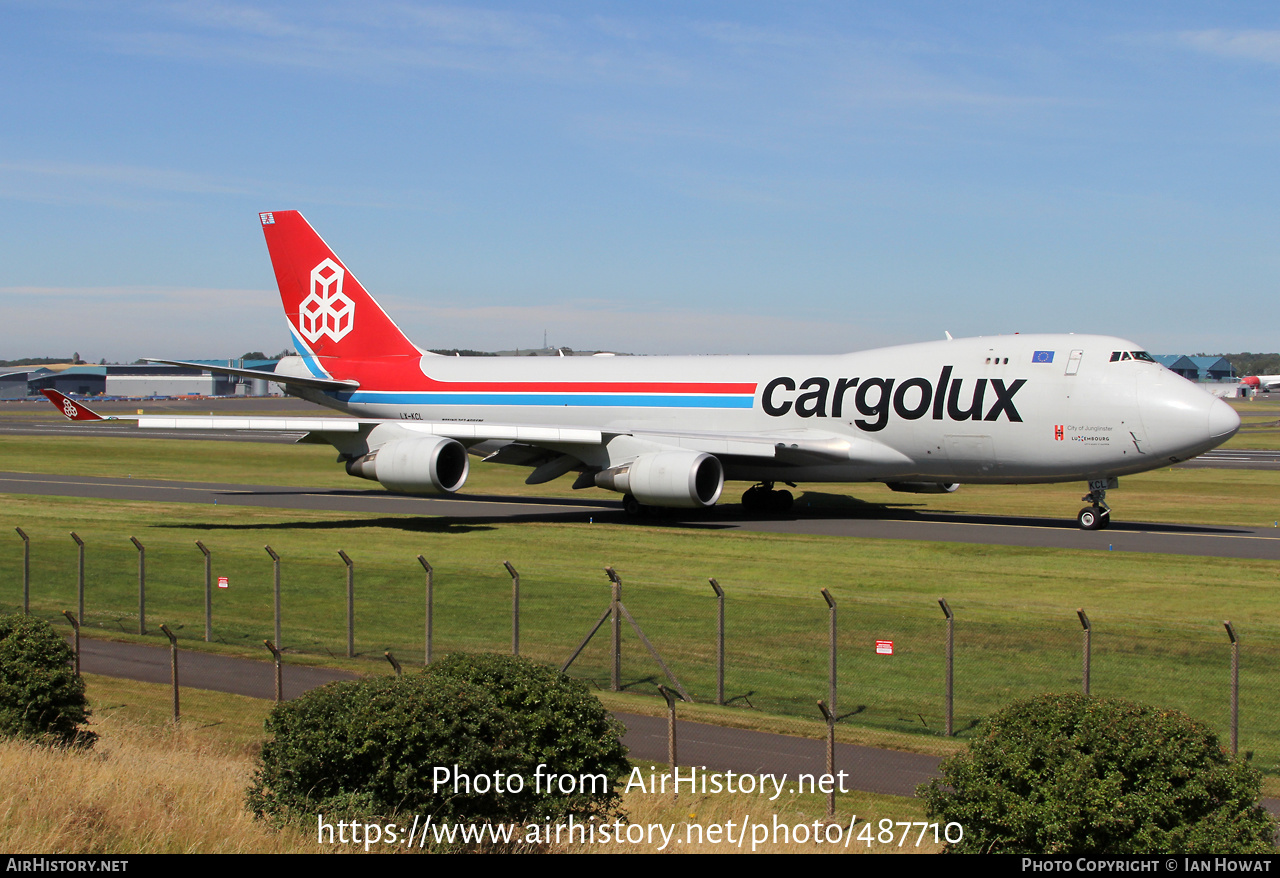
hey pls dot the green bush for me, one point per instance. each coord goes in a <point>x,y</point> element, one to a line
<point>372,747</point>
<point>41,698</point>
<point>1065,774</point>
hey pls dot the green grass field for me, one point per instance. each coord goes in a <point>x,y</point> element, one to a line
<point>1157,619</point>
<point>1259,425</point>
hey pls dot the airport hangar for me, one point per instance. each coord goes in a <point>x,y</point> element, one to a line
<point>136,381</point>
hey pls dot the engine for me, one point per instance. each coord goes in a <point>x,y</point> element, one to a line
<point>923,487</point>
<point>430,465</point>
<point>686,479</point>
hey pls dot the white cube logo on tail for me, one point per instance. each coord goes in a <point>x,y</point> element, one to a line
<point>326,311</point>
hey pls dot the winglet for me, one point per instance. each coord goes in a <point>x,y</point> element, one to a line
<point>74,411</point>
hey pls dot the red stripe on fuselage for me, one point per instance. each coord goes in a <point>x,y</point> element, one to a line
<point>403,374</point>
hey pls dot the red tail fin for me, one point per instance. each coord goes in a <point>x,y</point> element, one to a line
<point>75,411</point>
<point>332,316</point>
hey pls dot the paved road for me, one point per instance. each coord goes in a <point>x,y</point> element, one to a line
<point>1230,459</point>
<point>880,771</point>
<point>1176,539</point>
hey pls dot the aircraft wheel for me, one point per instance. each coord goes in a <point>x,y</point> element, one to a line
<point>631,506</point>
<point>753,499</point>
<point>1104,519</point>
<point>1091,518</point>
<point>781,501</point>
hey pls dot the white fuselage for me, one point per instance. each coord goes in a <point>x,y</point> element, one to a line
<point>1021,408</point>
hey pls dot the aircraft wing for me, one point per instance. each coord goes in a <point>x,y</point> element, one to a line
<point>76,410</point>
<point>784,446</point>
<point>528,444</point>
<point>517,443</point>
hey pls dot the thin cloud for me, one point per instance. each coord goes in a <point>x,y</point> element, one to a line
<point>123,323</point>
<point>379,39</point>
<point>137,187</point>
<point>594,325</point>
<point>127,175</point>
<point>1254,45</point>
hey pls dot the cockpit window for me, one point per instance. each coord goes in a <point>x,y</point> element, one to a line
<point>1143,355</point>
<point>1117,356</point>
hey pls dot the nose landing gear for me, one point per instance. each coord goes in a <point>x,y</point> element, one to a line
<point>1098,515</point>
<point>1094,517</point>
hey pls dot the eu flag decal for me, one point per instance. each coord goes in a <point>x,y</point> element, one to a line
<point>1042,357</point>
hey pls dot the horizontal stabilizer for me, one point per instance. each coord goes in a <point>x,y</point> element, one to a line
<point>78,411</point>
<point>296,380</point>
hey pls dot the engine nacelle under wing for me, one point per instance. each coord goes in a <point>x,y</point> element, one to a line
<point>430,465</point>
<point>684,479</point>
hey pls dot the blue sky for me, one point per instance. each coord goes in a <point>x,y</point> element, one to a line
<point>660,177</point>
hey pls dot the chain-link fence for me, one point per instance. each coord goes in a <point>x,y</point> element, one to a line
<point>891,657</point>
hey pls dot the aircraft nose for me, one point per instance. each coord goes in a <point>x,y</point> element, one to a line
<point>1223,420</point>
<point>1181,419</point>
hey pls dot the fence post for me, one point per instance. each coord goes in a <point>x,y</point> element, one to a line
<point>671,727</point>
<point>830,717</point>
<point>173,666</point>
<point>951,655</point>
<point>208,593</point>
<point>75,638</point>
<point>831,673</point>
<point>26,571</point>
<point>427,567</point>
<point>719,641</point>
<point>351,604</point>
<point>1088,647</point>
<point>275,653</point>
<point>79,576</point>
<point>142,585</point>
<point>1235,688</point>
<point>394,664</point>
<point>275,563</point>
<point>515,607</point>
<point>615,678</point>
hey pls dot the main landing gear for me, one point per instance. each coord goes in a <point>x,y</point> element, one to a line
<point>763,498</point>
<point>1098,515</point>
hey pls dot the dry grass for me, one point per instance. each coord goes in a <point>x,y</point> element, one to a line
<point>154,789</point>
<point>148,787</point>
<point>142,789</point>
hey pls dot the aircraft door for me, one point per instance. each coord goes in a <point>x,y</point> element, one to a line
<point>971,454</point>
